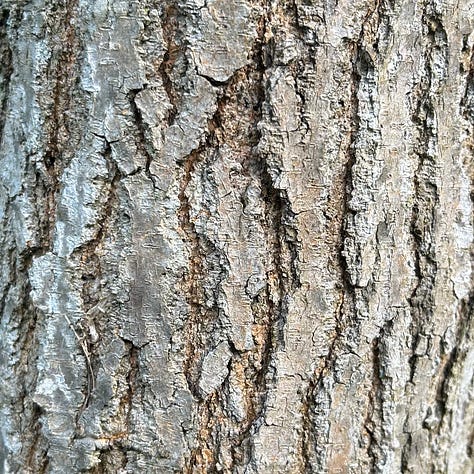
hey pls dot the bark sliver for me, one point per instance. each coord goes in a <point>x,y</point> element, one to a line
<point>214,369</point>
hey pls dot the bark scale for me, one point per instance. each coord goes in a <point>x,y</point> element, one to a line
<point>236,236</point>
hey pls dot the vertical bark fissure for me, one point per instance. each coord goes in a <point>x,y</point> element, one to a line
<point>132,382</point>
<point>40,188</point>
<point>467,102</point>
<point>271,306</point>
<point>374,405</point>
<point>426,202</point>
<point>142,142</point>
<point>424,214</point>
<point>36,447</point>
<point>279,219</point>
<point>426,189</point>
<point>91,326</point>
<point>195,272</point>
<point>426,195</point>
<point>363,67</point>
<point>114,447</point>
<point>6,67</point>
<point>63,72</point>
<point>170,35</point>
<point>36,457</point>
<point>60,104</point>
<point>203,323</point>
<point>312,453</point>
<point>457,356</point>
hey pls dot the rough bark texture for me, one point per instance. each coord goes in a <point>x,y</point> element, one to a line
<point>236,236</point>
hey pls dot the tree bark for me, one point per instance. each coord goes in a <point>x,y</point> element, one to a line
<point>237,236</point>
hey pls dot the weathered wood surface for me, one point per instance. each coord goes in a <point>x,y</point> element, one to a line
<point>236,236</point>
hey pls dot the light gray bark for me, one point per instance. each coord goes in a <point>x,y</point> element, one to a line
<point>236,236</point>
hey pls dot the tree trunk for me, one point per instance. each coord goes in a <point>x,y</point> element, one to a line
<point>237,236</point>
